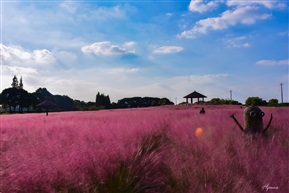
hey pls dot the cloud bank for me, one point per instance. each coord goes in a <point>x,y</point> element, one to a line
<point>273,62</point>
<point>16,55</point>
<point>201,6</point>
<point>245,13</point>
<point>106,49</point>
<point>168,50</point>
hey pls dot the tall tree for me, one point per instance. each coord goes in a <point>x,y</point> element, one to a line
<point>107,102</point>
<point>20,84</point>
<point>14,82</point>
<point>98,100</point>
<point>102,101</point>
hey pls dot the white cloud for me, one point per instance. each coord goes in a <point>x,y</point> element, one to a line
<point>270,4</point>
<point>200,79</point>
<point>243,15</point>
<point>238,42</point>
<point>129,44</point>
<point>123,70</point>
<point>16,55</point>
<point>99,13</point>
<point>42,56</point>
<point>273,62</point>
<point>168,50</point>
<point>8,53</point>
<point>103,13</point>
<point>67,58</point>
<point>106,49</point>
<point>65,24</point>
<point>16,70</point>
<point>69,6</point>
<point>202,6</point>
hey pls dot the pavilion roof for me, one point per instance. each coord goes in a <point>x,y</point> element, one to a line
<point>46,103</point>
<point>195,95</point>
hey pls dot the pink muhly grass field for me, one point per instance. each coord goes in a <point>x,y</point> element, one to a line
<point>143,150</point>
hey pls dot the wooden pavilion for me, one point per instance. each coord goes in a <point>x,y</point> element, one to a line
<point>195,95</point>
<point>46,104</point>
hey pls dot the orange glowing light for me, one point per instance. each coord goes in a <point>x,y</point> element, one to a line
<point>198,131</point>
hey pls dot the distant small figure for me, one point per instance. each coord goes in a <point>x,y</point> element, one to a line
<point>202,111</point>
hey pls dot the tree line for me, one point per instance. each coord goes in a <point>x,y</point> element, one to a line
<point>257,101</point>
<point>17,99</point>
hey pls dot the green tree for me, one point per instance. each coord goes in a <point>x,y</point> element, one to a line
<point>165,101</point>
<point>20,84</point>
<point>10,98</point>
<point>33,100</point>
<point>43,94</point>
<point>64,103</point>
<point>14,97</point>
<point>142,102</point>
<point>273,102</point>
<point>24,100</point>
<point>80,105</point>
<point>255,101</point>
<point>102,101</point>
<point>107,102</point>
<point>14,82</point>
<point>215,101</point>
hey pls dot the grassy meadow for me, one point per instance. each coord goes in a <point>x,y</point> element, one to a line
<point>143,150</point>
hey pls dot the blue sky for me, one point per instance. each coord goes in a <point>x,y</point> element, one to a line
<point>147,48</point>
